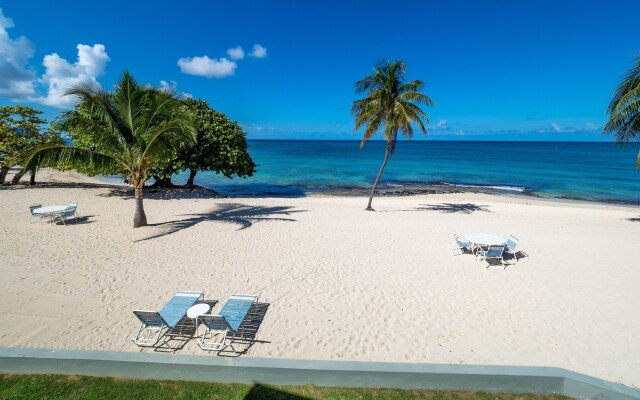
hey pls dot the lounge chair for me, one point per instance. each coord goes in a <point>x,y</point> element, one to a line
<point>33,207</point>
<point>462,247</point>
<point>227,322</point>
<point>155,324</point>
<point>510,246</point>
<point>493,252</point>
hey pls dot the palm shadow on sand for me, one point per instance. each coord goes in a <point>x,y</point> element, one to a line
<point>232,213</point>
<point>450,208</point>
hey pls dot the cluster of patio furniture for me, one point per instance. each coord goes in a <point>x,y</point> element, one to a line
<point>54,214</point>
<point>188,310</point>
<point>486,247</point>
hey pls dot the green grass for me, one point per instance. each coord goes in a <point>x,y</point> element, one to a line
<point>41,387</point>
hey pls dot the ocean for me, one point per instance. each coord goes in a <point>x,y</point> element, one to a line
<point>585,171</point>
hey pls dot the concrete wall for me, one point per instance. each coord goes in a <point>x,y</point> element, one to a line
<point>211,368</point>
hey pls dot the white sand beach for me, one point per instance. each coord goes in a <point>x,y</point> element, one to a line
<point>341,283</point>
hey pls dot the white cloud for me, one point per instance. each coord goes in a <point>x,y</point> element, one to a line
<point>172,87</point>
<point>236,53</point>
<point>440,126</point>
<point>557,128</point>
<point>16,77</point>
<point>258,51</point>
<point>590,126</point>
<point>207,67</point>
<point>60,74</point>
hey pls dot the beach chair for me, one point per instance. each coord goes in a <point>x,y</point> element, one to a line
<point>66,214</point>
<point>510,246</point>
<point>462,247</point>
<point>74,204</point>
<point>33,215</point>
<point>493,252</point>
<point>154,324</point>
<point>221,330</point>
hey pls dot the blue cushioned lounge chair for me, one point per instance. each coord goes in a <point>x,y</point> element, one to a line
<point>155,324</point>
<point>219,327</point>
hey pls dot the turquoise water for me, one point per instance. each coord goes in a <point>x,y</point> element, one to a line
<point>590,171</point>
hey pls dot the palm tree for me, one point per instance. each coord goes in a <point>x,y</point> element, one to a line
<point>390,105</point>
<point>624,109</point>
<point>130,130</point>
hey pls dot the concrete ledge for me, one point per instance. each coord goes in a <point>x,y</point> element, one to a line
<point>209,368</point>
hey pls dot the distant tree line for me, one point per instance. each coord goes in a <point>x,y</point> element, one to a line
<point>23,129</point>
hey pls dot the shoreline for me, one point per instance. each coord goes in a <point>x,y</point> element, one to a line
<point>525,195</point>
<point>69,178</point>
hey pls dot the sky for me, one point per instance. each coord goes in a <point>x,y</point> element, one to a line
<point>496,70</point>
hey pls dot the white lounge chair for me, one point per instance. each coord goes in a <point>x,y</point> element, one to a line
<point>462,247</point>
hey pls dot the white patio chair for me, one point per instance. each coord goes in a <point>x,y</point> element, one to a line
<point>66,214</point>
<point>33,207</point>
<point>462,247</point>
<point>510,246</point>
<point>493,252</point>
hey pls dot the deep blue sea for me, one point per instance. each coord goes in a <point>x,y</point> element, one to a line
<point>589,171</point>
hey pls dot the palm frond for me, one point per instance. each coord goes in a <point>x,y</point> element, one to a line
<point>624,109</point>
<point>66,157</point>
<point>390,104</point>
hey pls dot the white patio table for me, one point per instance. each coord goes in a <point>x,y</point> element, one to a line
<point>485,239</point>
<point>49,211</point>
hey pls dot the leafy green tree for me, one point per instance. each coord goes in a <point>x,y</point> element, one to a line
<point>132,129</point>
<point>390,105</point>
<point>221,147</point>
<point>21,129</point>
<point>624,109</point>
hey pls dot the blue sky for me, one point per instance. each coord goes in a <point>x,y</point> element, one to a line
<point>497,70</point>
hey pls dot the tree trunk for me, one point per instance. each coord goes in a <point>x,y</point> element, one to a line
<point>4,170</point>
<point>192,176</point>
<point>17,177</point>
<point>32,179</point>
<point>162,182</point>
<point>375,185</point>
<point>139,218</point>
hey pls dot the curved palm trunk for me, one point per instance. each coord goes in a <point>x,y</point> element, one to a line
<point>375,185</point>
<point>139,218</point>
<point>17,177</point>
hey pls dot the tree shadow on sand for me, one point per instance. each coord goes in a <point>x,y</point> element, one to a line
<point>233,213</point>
<point>174,193</point>
<point>463,208</point>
